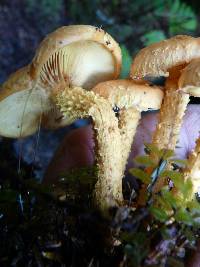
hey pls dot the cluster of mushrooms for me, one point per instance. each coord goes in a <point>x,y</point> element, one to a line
<point>74,74</point>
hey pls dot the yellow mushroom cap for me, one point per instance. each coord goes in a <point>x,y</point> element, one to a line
<point>86,54</point>
<point>126,93</point>
<point>159,58</point>
<point>189,81</point>
<point>78,55</point>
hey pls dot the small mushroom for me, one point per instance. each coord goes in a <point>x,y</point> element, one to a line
<point>167,58</point>
<point>50,90</point>
<point>77,55</point>
<point>189,83</point>
<point>130,99</point>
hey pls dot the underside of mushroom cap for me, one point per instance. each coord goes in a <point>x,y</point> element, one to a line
<point>159,58</point>
<point>189,81</point>
<point>86,54</point>
<point>20,105</point>
<point>76,55</point>
<point>126,94</point>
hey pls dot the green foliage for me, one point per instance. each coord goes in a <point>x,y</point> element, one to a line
<point>153,37</point>
<point>136,23</point>
<point>144,160</point>
<point>137,248</point>
<point>153,226</point>
<point>163,211</point>
<point>140,174</point>
<point>158,213</point>
<point>78,184</point>
<point>126,62</point>
<point>182,18</point>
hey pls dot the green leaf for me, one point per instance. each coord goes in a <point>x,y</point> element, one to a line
<point>163,203</point>
<point>183,216</point>
<point>126,62</point>
<point>165,233</point>
<point>187,189</point>
<point>140,174</point>
<point>194,206</point>
<point>169,198</point>
<point>190,25</point>
<point>153,37</point>
<point>181,18</point>
<point>158,213</point>
<point>189,234</point>
<point>176,177</point>
<point>175,7</point>
<point>167,153</point>
<point>151,148</point>
<point>144,160</point>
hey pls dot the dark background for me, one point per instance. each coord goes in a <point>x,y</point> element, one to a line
<point>134,24</point>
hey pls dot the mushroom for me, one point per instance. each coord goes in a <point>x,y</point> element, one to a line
<point>167,58</point>
<point>78,55</point>
<point>189,83</point>
<point>129,99</point>
<point>50,90</point>
<point>78,103</point>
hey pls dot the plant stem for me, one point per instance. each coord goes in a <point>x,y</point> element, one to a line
<point>128,122</point>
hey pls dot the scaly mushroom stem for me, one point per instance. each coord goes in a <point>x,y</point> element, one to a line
<point>170,119</point>
<point>131,99</point>
<point>128,122</point>
<point>78,103</point>
<point>193,167</point>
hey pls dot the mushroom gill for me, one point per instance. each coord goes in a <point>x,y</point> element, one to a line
<point>78,55</point>
<point>83,63</point>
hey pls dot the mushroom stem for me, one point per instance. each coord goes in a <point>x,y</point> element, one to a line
<point>193,167</point>
<point>128,122</point>
<point>78,103</point>
<point>170,119</point>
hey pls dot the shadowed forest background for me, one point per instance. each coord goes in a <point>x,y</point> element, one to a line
<point>23,24</point>
<point>134,24</point>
